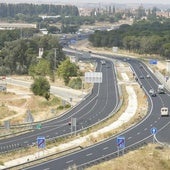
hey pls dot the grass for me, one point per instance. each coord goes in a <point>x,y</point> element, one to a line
<point>5,112</point>
<point>145,158</point>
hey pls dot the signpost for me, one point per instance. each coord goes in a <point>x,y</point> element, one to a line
<point>7,124</point>
<point>154,62</point>
<point>93,77</point>
<point>41,142</point>
<point>153,132</point>
<point>73,124</point>
<point>38,126</point>
<point>120,143</point>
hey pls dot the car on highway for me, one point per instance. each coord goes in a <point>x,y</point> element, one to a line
<point>141,77</point>
<point>103,62</point>
<point>148,76</point>
<point>152,92</point>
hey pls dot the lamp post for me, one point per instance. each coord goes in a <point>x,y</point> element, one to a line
<point>54,67</point>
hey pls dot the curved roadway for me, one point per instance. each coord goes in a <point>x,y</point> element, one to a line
<point>94,108</point>
<point>135,136</point>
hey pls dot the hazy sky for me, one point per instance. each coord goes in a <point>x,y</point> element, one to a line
<point>89,1</point>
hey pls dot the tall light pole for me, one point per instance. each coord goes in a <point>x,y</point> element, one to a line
<point>54,67</point>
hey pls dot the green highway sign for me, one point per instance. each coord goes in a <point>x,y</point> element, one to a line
<point>38,126</point>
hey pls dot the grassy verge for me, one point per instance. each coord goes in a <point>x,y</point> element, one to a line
<point>150,157</point>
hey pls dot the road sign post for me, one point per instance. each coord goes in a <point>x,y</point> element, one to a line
<point>41,142</point>
<point>73,124</point>
<point>93,77</point>
<point>38,126</point>
<point>153,132</point>
<point>120,143</point>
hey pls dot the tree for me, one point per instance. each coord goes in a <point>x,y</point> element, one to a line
<point>41,87</point>
<point>66,70</point>
<point>166,50</point>
<point>42,68</point>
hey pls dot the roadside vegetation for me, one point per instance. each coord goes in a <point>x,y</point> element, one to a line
<point>143,37</point>
<point>150,157</point>
<point>92,140</point>
<point>19,54</point>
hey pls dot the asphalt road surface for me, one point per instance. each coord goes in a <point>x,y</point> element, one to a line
<point>97,106</point>
<point>136,136</point>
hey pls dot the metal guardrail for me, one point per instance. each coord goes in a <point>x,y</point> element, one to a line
<point>162,79</point>
<point>115,154</point>
<point>53,139</point>
<point>38,160</point>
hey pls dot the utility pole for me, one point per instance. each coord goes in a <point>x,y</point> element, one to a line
<point>54,69</point>
<point>20,33</point>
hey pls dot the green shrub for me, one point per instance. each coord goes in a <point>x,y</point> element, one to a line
<point>67,106</point>
<point>75,83</point>
<point>60,107</point>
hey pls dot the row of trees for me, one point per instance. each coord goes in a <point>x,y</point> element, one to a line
<point>142,37</point>
<point>20,56</point>
<point>68,71</point>
<point>11,35</point>
<point>12,10</point>
<point>17,56</point>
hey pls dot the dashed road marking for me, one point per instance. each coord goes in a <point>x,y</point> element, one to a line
<point>69,161</point>
<point>105,148</point>
<point>89,154</point>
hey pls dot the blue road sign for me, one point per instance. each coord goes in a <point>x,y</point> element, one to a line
<point>41,142</point>
<point>72,41</point>
<point>153,61</point>
<point>121,142</point>
<point>153,131</point>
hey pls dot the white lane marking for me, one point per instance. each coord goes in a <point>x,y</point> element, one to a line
<point>151,125</point>
<point>138,133</point>
<point>89,154</point>
<point>69,161</point>
<point>105,148</point>
<point>155,121</point>
<point>46,169</point>
<point>145,129</point>
<point>129,137</point>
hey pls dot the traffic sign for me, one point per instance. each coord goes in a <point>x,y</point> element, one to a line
<point>38,126</point>
<point>121,142</point>
<point>93,77</point>
<point>153,61</point>
<point>41,141</point>
<point>153,130</point>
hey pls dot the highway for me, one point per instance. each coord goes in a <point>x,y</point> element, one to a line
<point>100,104</point>
<point>135,136</point>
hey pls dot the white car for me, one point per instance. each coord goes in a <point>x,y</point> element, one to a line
<point>152,92</point>
<point>141,77</point>
<point>148,76</point>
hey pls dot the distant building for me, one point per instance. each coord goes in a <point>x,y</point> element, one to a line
<point>46,16</point>
<point>165,14</point>
<point>85,11</point>
<point>44,31</point>
<point>11,26</point>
